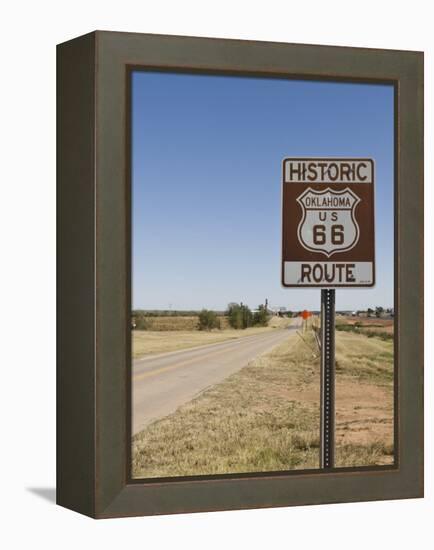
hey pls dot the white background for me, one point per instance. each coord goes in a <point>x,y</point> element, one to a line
<point>29,33</point>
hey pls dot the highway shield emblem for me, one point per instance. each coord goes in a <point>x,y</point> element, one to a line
<point>328,224</point>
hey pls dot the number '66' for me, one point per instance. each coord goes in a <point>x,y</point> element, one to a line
<point>336,234</point>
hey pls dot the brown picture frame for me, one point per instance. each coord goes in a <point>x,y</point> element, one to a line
<point>94,236</point>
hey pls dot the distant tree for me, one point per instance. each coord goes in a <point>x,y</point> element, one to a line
<point>208,320</point>
<point>370,311</point>
<point>239,316</point>
<point>235,316</point>
<point>261,316</point>
<point>247,317</point>
<point>379,311</point>
<point>141,322</point>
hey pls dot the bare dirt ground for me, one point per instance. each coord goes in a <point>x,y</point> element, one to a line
<point>364,398</point>
<point>266,416</point>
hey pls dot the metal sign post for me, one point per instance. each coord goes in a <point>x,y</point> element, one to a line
<point>327,426</point>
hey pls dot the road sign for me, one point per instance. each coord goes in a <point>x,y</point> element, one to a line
<point>328,235</point>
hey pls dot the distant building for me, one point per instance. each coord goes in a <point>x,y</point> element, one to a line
<point>280,311</point>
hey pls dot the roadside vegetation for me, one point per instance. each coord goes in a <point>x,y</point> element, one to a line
<point>266,416</point>
<point>237,316</point>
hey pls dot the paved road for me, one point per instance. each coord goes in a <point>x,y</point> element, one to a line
<point>161,383</point>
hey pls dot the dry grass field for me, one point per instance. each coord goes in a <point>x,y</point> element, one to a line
<point>178,322</point>
<point>167,323</point>
<point>150,342</point>
<point>266,416</point>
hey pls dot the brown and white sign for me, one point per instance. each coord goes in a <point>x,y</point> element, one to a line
<point>328,237</point>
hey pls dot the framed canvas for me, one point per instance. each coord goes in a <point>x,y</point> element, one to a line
<point>240,274</point>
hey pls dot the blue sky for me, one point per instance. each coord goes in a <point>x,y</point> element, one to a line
<point>206,159</point>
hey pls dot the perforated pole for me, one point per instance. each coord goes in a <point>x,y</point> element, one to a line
<point>327,439</point>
